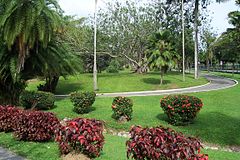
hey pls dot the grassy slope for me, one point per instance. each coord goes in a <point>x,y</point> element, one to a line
<point>123,81</point>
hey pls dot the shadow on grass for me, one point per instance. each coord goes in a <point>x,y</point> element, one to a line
<point>67,88</point>
<point>212,127</point>
<point>154,81</point>
<point>218,127</point>
<point>162,117</point>
<point>103,75</point>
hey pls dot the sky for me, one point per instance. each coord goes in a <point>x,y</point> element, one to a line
<point>219,12</point>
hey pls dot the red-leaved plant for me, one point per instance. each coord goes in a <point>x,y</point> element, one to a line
<point>181,109</point>
<point>81,135</point>
<point>8,118</point>
<point>36,126</point>
<point>162,144</point>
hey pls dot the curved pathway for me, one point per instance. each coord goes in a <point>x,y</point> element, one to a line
<point>215,83</point>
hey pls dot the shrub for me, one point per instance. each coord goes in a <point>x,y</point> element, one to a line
<point>162,144</point>
<point>181,109</point>
<point>122,108</point>
<point>81,135</point>
<point>113,67</point>
<point>36,126</point>
<point>82,101</point>
<point>37,100</point>
<point>8,118</point>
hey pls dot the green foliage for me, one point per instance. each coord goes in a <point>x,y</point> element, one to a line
<point>82,101</point>
<point>37,100</point>
<point>122,108</point>
<point>113,67</point>
<point>181,109</point>
<point>160,54</point>
<point>72,137</point>
<point>25,23</point>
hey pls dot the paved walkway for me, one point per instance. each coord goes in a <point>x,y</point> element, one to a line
<point>215,83</point>
<point>7,155</point>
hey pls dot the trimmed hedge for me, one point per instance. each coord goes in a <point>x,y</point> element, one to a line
<point>37,100</point>
<point>81,135</point>
<point>181,109</point>
<point>36,126</point>
<point>82,101</point>
<point>122,108</point>
<point>162,144</point>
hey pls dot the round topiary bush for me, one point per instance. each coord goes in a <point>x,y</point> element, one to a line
<point>181,109</point>
<point>37,100</point>
<point>122,108</point>
<point>82,101</point>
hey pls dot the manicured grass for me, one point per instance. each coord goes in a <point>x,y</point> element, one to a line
<point>217,123</point>
<point>122,82</point>
<point>114,148</point>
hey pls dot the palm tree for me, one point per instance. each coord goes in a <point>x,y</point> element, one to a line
<point>160,54</point>
<point>25,23</point>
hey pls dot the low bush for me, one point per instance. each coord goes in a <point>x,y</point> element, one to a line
<point>113,67</point>
<point>181,109</point>
<point>81,135</point>
<point>82,101</point>
<point>37,100</point>
<point>35,126</point>
<point>122,108</point>
<point>8,118</point>
<point>162,144</point>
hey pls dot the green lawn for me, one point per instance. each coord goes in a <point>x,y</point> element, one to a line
<point>122,82</point>
<point>217,123</point>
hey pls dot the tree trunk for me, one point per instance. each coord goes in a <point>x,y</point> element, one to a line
<point>50,85</point>
<point>161,78</point>
<point>141,69</point>
<point>208,65</point>
<point>10,91</point>
<point>233,68</point>
<point>196,38</point>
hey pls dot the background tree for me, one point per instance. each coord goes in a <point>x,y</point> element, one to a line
<point>161,54</point>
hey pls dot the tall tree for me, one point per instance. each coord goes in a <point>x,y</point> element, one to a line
<point>29,35</point>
